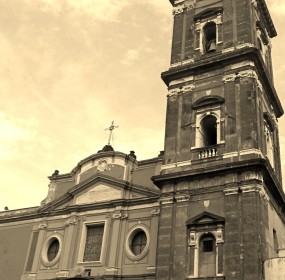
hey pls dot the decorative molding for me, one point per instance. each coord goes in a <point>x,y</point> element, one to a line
<point>174,165</point>
<point>184,89</point>
<point>231,191</point>
<point>254,3</point>
<point>166,200</point>
<point>103,165</point>
<point>219,234</point>
<point>240,75</point>
<point>178,10</point>
<point>32,276</point>
<point>192,238</point>
<point>182,197</point>
<point>42,226</point>
<point>120,215</point>
<point>245,45</point>
<point>155,212</point>
<point>251,151</point>
<point>62,274</point>
<point>189,5</point>
<point>176,64</point>
<point>260,189</point>
<point>231,49</point>
<point>229,155</point>
<point>187,61</point>
<point>111,270</point>
<point>182,80</point>
<point>230,78</point>
<point>173,92</point>
<point>71,221</point>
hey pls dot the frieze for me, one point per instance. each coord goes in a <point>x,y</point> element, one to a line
<point>189,5</point>
<point>243,75</point>
<point>184,89</point>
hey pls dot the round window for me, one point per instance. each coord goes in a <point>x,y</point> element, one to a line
<point>51,250</point>
<point>137,242</point>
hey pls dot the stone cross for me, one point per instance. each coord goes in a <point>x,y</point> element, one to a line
<point>111,128</point>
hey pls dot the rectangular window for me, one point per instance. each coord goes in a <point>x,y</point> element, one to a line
<point>275,240</point>
<point>93,244</point>
<point>208,246</point>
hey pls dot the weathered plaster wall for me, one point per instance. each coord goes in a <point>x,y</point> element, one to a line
<point>14,242</point>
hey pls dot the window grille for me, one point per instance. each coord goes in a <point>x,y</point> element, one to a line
<point>93,243</point>
<point>53,250</point>
<point>138,243</point>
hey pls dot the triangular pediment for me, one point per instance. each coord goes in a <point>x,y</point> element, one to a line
<point>205,218</point>
<point>100,189</point>
<point>98,193</point>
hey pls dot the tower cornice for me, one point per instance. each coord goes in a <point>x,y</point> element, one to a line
<point>222,59</point>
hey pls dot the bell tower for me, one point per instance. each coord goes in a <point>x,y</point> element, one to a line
<point>222,203</point>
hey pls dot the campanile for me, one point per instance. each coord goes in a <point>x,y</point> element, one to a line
<point>222,202</point>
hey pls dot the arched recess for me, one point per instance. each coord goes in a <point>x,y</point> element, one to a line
<point>205,245</point>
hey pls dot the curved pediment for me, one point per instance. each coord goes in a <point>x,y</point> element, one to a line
<point>208,100</point>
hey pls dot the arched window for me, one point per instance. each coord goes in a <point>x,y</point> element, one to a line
<point>268,132</point>
<point>208,131</point>
<point>210,37</point>
<point>259,44</point>
<point>207,256</point>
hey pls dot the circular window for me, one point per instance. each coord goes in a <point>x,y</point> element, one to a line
<point>137,242</point>
<point>51,250</point>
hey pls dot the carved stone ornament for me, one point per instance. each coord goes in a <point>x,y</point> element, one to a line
<point>188,5</point>
<point>120,215</point>
<point>155,212</point>
<point>176,91</point>
<point>219,234</point>
<point>178,10</point>
<point>62,274</point>
<point>71,221</point>
<point>192,238</point>
<point>243,75</point>
<point>254,3</point>
<point>103,166</point>
<point>42,226</point>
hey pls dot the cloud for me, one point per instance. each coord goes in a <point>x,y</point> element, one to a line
<point>99,9</point>
<point>13,132</point>
<point>130,57</point>
<point>277,7</point>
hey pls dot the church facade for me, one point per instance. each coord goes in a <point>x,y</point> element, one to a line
<point>211,206</point>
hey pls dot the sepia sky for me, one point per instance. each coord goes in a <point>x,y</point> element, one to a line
<point>70,67</point>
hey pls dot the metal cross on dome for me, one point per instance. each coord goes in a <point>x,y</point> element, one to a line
<point>111,128</point>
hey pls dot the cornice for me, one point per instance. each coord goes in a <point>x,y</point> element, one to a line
<point>222,59</point>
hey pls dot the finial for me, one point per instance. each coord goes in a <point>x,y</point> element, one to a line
<point>111,128</point>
